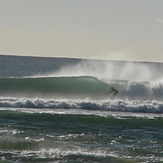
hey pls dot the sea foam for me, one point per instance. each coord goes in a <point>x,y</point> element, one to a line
<point>146,106</point>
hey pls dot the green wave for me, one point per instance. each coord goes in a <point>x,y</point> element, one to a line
<point>56,85</point>
<point>81,119</point>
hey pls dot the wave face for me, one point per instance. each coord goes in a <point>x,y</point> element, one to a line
<point>56,86</point>
<point>79,87</point>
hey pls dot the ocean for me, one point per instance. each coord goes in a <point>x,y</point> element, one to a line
<point>60,110</point>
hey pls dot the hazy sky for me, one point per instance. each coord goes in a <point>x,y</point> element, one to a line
<point>103,29</point>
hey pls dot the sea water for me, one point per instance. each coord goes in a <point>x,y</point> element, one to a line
<point>48,116</point>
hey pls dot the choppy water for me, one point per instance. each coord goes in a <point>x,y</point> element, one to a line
<point>47,135</point>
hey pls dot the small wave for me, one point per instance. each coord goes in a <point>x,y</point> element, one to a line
<point>61,153</point>
<point>145,106</point>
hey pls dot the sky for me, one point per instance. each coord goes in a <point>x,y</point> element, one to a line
<point>97,29</point>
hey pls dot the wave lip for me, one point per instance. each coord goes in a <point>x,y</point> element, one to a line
<point>145,106</point>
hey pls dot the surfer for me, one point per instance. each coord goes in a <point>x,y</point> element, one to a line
<point>114,91</point>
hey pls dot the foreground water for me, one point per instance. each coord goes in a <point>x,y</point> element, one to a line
<point>77,135</point>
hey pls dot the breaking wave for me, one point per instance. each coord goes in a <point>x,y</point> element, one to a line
<point>146,106</point>
<point>79,87</point>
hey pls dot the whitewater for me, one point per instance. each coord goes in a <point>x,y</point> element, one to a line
<point>59,110</point>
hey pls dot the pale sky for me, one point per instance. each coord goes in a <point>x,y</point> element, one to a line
<point>97,29</point>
